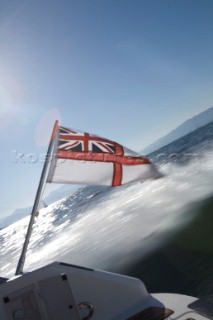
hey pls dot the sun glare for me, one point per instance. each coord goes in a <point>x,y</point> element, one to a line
<point>45,126</point>
<point>5,101</point>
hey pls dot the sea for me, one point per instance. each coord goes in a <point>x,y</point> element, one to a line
<point>160,231</point>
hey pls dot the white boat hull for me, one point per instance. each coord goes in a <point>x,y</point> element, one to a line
<point>65,292</point>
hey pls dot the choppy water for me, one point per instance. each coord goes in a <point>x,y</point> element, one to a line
<point>160,231</point>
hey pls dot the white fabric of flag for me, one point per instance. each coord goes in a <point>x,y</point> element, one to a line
<point>83,158</point>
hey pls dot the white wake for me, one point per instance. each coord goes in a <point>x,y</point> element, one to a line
<point>99,227</point>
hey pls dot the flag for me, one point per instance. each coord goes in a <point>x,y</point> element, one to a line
<point>83,158</point>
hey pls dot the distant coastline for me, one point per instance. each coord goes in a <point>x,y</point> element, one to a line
<point>186,127</point>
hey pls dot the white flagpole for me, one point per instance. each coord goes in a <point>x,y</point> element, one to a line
<point>20,266</point>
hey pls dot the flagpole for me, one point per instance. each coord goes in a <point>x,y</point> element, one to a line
<point>20,266</point>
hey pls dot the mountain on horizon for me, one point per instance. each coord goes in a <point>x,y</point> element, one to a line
<point>186,127</point>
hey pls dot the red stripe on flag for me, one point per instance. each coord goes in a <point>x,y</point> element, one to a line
<point>63,136</point>
<point>117,174</point>
<point>86,142</point>
<point>119,150</point>
<point>102,157</point>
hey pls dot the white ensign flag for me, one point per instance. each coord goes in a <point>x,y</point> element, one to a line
<point>83,158</point>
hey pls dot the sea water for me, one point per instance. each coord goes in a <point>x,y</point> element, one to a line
<point>159,231</point>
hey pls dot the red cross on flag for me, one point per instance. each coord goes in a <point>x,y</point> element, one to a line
<point>83,158</point>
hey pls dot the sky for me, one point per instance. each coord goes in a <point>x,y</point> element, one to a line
<point>127,70</point>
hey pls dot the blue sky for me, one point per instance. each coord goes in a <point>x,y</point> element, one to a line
<point>128,70</point>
